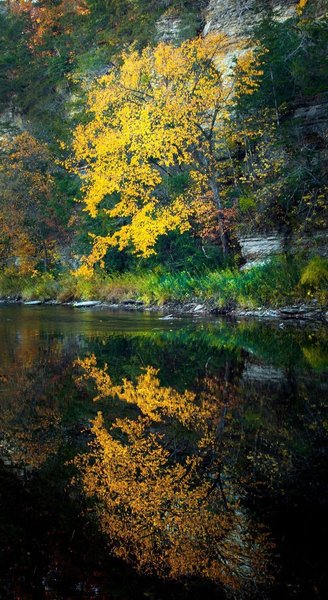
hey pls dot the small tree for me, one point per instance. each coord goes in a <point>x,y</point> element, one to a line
<point>161,111</point>
<point>30,215</point>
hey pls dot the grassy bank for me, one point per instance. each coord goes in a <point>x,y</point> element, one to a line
<point>279,282</point>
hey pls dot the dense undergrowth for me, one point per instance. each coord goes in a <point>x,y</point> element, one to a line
<point>278,282</point>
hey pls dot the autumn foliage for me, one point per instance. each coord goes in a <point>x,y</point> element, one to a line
<point>158,486</point>
<point>158,112</point>
<point>47,18</point>
<point>27,215</point>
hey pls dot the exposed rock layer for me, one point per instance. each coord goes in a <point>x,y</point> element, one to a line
<point>237,18</point>
<point>256,249</point>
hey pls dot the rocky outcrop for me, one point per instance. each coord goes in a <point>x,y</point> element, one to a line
<point>237,18</point>
<point>311,120</point>
<point>11,121</point>
<point>169,28</point>
<point>175,25</point>
<point>302,313</point>
<point>257,249</point>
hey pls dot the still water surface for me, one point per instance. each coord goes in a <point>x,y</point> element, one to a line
<point>264,388</point>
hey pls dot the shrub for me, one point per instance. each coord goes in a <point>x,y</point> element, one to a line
<point>40,287</point>
<point>315,274</point>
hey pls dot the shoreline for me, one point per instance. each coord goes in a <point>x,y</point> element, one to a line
<point>298,312</point>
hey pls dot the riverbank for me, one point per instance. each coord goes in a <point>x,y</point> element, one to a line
<point>173,310</point>
<point>280,289</point>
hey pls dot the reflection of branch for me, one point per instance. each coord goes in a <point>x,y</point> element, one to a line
<point>218,483</point>
<point>224,498</point>
<point>187,471</point>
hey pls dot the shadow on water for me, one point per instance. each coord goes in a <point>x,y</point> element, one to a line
<point>262,390</point>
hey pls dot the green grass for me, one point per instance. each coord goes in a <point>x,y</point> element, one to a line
<point>314,279</point>
<point>281,281</point>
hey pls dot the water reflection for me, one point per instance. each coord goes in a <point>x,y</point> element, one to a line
<point>206,458</point>
<point>164,493</point>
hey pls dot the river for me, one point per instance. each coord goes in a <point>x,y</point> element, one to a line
<point>221,493</point>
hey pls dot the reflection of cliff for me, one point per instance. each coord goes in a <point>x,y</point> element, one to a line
<point>263,374</point>
<point>31,387</point>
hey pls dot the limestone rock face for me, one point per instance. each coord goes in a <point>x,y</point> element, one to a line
<point>11,121</point>
<point>237,18</point>
<point>312,118</point>
<point>174,25</point>
<point>257,249</point>
<point>169,28</point>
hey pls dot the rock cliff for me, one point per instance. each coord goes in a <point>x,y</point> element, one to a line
<point>237,18</point>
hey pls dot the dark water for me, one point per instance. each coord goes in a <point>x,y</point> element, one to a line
<point>270,385</point>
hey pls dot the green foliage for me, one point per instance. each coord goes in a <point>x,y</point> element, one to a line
<point>184,251</point>
<point>76,288</point>
<point>295,64</point>
<point>273,284</point>
<point>12,54</point>
<point>41,287</point>
<point>315,274</point>
<point>12,283</point>
<point>246,204</point>
<point>292,195</point>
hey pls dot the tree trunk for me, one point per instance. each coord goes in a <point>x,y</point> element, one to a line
<point>45,255</point>
<point>216,195</point>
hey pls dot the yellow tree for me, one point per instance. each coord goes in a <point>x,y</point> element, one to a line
<point>162,110</point>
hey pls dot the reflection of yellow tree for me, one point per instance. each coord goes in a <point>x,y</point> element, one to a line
<point>159,497</point>
<point>153,400</point>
